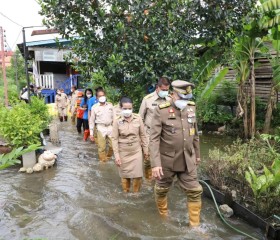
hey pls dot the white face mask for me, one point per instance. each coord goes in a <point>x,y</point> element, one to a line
<point>89,95</point>
<point>102,99</point>
<point>187,96</point>
<point>181,104</point>
<point>127,113</point>
<point>162,94</point>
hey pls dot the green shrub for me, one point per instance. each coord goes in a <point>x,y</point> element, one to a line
<point>38,107</point>
<point>218,108</point>
<point>226,168</point>
<point>19,126</point>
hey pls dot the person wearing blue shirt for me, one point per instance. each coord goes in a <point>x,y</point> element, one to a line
<point>85,105</point>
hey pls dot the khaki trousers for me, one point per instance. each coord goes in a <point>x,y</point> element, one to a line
<point>102,144</point>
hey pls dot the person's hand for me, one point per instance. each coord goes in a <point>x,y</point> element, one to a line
<point>197,161</point>
<point>92,138</point>
<point>118,161</point>
<point>157,172</point>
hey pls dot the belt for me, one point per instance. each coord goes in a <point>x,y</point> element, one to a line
<point>103,124</point>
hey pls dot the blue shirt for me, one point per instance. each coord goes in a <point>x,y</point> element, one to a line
<point>91,102</point>
<point>83,102</point>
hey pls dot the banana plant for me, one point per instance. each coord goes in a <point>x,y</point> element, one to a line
<point>265,186</point>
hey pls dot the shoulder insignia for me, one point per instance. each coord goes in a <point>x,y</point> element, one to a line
<point>164,105</point>
<point>148,96</point>
<point>136,114</point>
<point>191,103</point>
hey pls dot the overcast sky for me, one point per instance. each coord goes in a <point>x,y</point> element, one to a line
<point>24,13</point>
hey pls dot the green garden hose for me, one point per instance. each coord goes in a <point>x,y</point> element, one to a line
<point>221,216</point>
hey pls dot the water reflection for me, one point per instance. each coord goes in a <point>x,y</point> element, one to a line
<point>82,199</point>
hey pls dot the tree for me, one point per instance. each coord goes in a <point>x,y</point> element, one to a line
<point>271,20</point>
<point>141,40</point>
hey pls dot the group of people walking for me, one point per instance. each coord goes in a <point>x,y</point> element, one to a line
<point>161,141</point>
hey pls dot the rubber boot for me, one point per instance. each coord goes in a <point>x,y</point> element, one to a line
<point>194,205</point>
<point>148,170</point>
<point>65,118</point>
<point>148,174</point>
<point>126,184</point>
<point>161,200</point>
<point>86,134</point>
<point>194,209</point>
<point>102,157</point>
<point>109,154</point>
<point>136,182</point>
<point>61,119</point>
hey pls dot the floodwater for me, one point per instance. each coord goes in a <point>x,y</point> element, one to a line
<point>81,198</point>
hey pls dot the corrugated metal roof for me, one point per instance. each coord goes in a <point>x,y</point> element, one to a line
<point>46,42</point>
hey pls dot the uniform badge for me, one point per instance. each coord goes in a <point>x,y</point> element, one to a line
<point>192,131</point>
<point>154,104</point>
<point>120,122</point>
<point>171,114</point>
<point>190,120</point>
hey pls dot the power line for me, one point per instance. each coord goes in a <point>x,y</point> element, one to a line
<point>16,40</point>
<point>10,19</point>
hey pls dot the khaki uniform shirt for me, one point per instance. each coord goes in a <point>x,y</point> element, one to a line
<point>73,101</point>
<point>61,101</point>
<point>117,111</point>
<point>129,133</point>
<point>102,117</point>
<point>149,103</point>
<point>174,141</point>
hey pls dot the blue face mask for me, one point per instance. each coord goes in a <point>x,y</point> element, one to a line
<point>187,96</point>
<point>163,94</point>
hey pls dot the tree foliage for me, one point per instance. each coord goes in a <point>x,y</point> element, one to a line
<point>140,40</point>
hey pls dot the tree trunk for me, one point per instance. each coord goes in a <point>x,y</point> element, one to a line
<point>245,117</point>
<point>270,105</point>
<point>243,108</point>
<point>253,98</point>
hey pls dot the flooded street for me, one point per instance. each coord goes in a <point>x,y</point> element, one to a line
<point>82,199</point>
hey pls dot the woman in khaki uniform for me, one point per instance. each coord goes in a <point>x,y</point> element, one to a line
<point>129,141</point>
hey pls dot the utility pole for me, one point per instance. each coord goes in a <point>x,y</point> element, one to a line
<point>26,64</point>
<point>2,39</point>
<point>16,71</point>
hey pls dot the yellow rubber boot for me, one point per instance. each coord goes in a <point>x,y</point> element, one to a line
<point>161,200</point>
<point>194,209</point>
<point>126,184</point>
<point>148,170</point>
<point>102,157</point>
<point>109,154</point>
<point>148,174</point>
<point>194,205</point>
<point>137,182</point>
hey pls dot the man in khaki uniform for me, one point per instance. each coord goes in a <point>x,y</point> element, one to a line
<point>174,149</point>
<point>102,117</point>
<point>146,111</point>
<point>61,103</point>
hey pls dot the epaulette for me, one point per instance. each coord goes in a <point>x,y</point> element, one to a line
<point>164,105</point>
<point>118,117</point>
<point>148,96</point>
<point>191,103</point>
<point>136,114</point>
<point>95,105</point>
